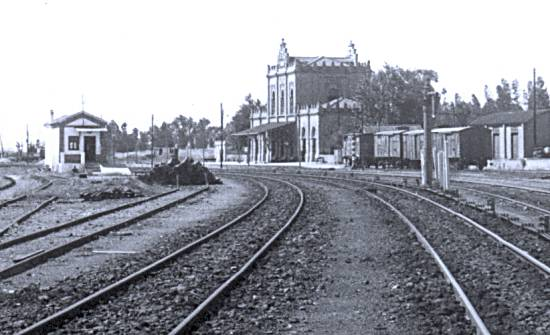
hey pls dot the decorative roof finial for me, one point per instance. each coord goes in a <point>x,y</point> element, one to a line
<point>352,53</point>
<point>283,54</point>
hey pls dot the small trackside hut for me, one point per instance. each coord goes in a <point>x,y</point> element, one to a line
<point>79,140</point>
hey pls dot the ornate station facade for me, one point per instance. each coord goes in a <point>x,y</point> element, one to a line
<point>309,101</point>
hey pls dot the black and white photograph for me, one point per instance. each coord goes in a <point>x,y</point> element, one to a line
<point>274,167</point>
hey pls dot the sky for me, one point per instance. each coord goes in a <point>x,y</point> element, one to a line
<point>134,58</point>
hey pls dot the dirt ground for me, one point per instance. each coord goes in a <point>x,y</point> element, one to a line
<point>134,239</point>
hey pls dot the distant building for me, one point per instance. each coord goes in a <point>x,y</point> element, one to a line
<point>512,136</point>
<point>76,140</point>
<point>309,99</point>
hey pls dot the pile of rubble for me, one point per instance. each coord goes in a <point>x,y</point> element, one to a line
<point>186,172</point>
<point>112,193</point>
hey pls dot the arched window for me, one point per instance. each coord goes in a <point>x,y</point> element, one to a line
<point>303,131</point>
<point>282,108</point>
<point>272,103</point>
<point>291,102</point>
<point>312,132</point>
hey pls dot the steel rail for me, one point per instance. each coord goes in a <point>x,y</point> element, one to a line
<point>185,325</point>
<point>411,176</point>
<point>59,250</point>
<point>12,200</point>
<point>518,251</point>
<point>57,318</point>
<point>11,183</point>
<point>27,215</point>
<point>472,314</point>
<point>524,188</point>
<point>24,196</point>
<point>83,219</point>
<point>545,211</point>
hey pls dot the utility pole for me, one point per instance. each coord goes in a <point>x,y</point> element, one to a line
<point>221,144</point>
<point>1,147</point>
<point>152,140</point>
<point>427,166</point>
<point>534,108</point>
<point>27,142</point>
<point>298,144</point>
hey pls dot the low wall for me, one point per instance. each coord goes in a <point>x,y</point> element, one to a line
<point>519,164</point>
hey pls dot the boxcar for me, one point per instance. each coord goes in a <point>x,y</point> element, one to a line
<point>361,146</point>
<point>388,147</point>
<point>465,145</point>
<point>413,143</point>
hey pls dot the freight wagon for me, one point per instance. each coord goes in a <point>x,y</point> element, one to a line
<point>358,149</point>
<point>401,148</point>
<point>465,145</point>
<point>388,147</point>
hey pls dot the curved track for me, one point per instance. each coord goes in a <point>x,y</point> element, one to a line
<point>9,182</point>
<point>516,288</point>
<point>41,251</point>
<point>175,273</point>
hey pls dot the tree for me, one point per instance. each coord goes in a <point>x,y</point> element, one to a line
<point>392,95</point>
<point>506,101</point>
<point>543,101</point>
<point>201,133</point>
<point>490,105</point>
<point>241,121</point>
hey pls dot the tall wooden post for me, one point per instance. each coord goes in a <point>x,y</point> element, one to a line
<point>221,144</point>
<point>534,108</point>
<point>152,141</point>
<point>428,161</point>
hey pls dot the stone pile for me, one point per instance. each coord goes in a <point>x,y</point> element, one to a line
<point>186,172</point>
<point>112,193</point>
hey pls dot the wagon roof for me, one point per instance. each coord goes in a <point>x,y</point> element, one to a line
<point>414,132</point>
<point>390,132</point>
<point>450,129</point>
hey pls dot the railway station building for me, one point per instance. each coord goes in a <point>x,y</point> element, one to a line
<point>513,138</point>
<point>79,140</point>
<point>309,102</point>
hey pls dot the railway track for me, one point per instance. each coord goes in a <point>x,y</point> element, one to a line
<point>8,183</point>
<point>510,293</point>
<point>157,297</point>
<point>17,198</point>
<point>22,217</point>
<point>35,234</point>
<point>29,251</point>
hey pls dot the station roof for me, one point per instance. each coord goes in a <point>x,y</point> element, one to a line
<point>498,119</point>
<point>66,119</point>
<point>262,128</point>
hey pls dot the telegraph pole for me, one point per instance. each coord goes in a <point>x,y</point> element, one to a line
<point>299,148</point>
<point>427,166</point>
<point>152,140</point>
<point>221,144</point>
<point>534,108</point>
<point>27,142</point>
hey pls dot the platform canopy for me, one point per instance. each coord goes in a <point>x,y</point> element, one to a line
<point>262,128</point>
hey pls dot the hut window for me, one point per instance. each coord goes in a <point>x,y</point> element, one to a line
<point>73,142</point>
